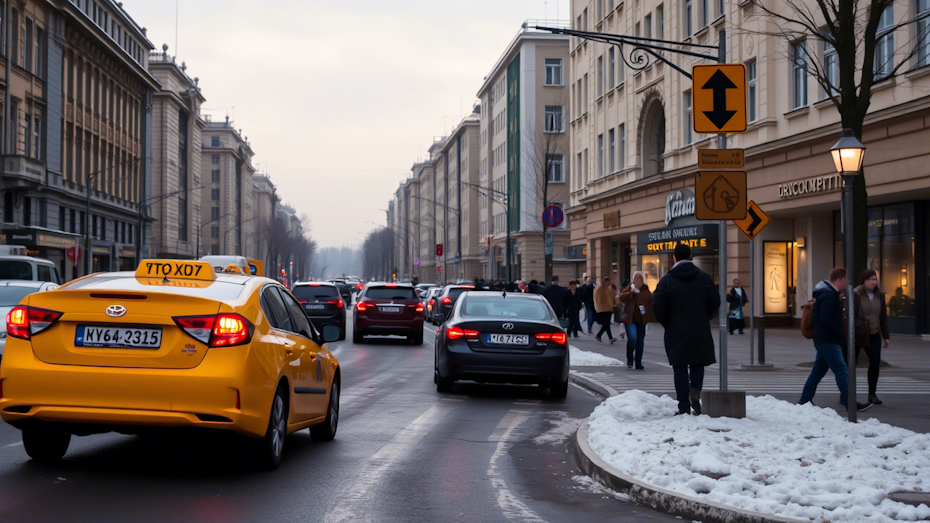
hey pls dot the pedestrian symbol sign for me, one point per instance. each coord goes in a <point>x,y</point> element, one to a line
<point>720,195</point>
<point>755,220</point>
<point>718,97</point>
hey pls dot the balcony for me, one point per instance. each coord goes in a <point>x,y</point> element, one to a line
<point>22,170</point>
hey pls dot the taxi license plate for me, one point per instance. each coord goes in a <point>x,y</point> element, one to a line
<point>508,339</point>
<point>390,309</point>
<point>316,307</point>
<point>117,337</point>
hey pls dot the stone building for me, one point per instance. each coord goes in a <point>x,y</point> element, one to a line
<point>227,219</point>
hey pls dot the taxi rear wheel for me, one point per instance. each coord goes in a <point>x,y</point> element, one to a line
<point>45,444</point>
<point>326,431</point>
<point>271,447</point>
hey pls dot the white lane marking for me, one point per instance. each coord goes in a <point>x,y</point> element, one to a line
<point>18,443</point>
<point>512,508</point>
<point>382,462</point>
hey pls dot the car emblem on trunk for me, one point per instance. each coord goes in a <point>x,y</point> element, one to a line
<point>116,311</point>
<point>508,326</point>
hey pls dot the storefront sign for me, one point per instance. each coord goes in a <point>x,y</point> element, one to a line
<point>775,277</point>
<point>679,204</point>
<point>611,219</point>
<point>48,240</point>
<point>576,252</point>
<point>97,249</point>
<point>665,240</point>
<point>40,239</point>
<point>127,252</point>
<point>811,185</point>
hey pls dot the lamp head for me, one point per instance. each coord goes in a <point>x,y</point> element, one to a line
<point>848,153</point>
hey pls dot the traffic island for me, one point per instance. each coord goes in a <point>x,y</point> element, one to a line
<point>783,462</point>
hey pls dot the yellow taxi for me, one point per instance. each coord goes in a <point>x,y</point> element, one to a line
<point>174,344</point>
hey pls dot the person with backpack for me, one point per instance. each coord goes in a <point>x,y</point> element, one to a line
<point>829,339</point>
<point>870,306</point>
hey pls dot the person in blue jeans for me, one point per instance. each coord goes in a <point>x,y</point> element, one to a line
<point>829,339</point>
<point>636,300</point>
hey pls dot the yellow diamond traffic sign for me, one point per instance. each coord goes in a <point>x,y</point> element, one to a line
<point>754,222</point>
<point>718,97</point>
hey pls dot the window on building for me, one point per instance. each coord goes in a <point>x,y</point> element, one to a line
<point>721,7</point>
<point>27,211</point>
<point>923,33</point>
<point>214,213</point>
<point>28,46</point>
<point>215,176</point>
<point>73,220</point>
<point>27,125</point>
<point>622,151</point>
<point>687,22</point>
<point>611,150</point>
<point>600,76</point>
<point>687,136</point>
<point>705,13</point>
<point>612,66</point>
<point>584,84</point>
<point>8,208</point>
<point>579,182</point>
<point>579,109</point>
<point>215,160</point>
<point>553,71</point>
<point>831,69</point>
<point>798,74</point>
<point>556,168</point>
<point>103,228</point>
<point>555,120</point>
<point>214,194</point>
<point>752,95</point>
<point>647,26</point>
<point>36,134</point>
<point>600,155</point>
<point>215,249</point>
<point>40,37</point>
<point>215,232</point>
<point>660,22</point>
<point>214,141</point>
<point>884,45</point>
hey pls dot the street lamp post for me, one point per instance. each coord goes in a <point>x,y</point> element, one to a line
<point>847,156</point>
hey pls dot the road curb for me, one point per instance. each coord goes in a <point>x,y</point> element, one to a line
<point>655,497</point>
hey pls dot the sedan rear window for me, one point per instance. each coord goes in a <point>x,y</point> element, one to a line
<point>310,292</point>
<point>456,291</point>
<point>15,270</point>
<point>11,296</point>
<point>391,293</point>
<point>500,307</point>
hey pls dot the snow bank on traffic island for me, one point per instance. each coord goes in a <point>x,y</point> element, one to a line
<point>583,358</point>
<point>796,461</point>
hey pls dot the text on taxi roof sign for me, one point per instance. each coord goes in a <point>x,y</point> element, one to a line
<point>176,269</point>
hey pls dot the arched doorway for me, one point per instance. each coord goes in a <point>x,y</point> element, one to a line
<point>652,137</point>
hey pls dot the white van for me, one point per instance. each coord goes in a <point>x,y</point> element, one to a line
<point>28,268</point>
<point>220,262</point>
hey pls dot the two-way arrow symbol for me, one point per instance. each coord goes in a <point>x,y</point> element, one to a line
<point>756,220</point>
<point>719,83</point>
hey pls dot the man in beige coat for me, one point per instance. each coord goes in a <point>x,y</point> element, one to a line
<point>605,299</point>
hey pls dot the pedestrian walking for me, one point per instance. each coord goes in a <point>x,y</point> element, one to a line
<point>618,310</point>
<point>870,305</point>
<point>636,300</point>
<point>553,295</point>
<point>736,299</point>
<point>829,339</point>
<point>604,303</point>
<point>684,301</point>
<point>571,304</point>
<point>587,298</point>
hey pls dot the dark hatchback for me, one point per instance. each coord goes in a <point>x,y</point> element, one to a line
<point>343,290</point>
<point>322,303</point>
<point>495,338</point>
<point>388,309</point>
<point>446,300</point>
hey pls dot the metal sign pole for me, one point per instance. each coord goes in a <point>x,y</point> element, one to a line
<point>752,288</point>
<point>722,250</point>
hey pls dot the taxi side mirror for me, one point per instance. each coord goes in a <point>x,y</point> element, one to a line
<point>331,333</point>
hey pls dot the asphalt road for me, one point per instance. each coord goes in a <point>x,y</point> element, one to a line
<point>403,453</point>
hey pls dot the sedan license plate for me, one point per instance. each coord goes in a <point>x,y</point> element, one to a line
<point>508,339</point>
<point>390,309</point>
<point>117,337</point>
<point>316,307</point>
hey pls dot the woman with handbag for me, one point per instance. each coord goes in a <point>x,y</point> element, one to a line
<point>604,303</point>
<point>637,301</point>
<point>871,326</point>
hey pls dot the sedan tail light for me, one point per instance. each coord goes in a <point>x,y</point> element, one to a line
<point>24,321</point>
<point>447,301</point>
<point>454,333</point>
<point>554,337</point>
<point>217,330</point>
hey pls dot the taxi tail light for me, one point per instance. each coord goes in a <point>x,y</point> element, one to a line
<point>24,321</point>
<point>420,307</point>
<point>362,306</point>
<point>217,330</point>
<point>554,337</point>
<point>447,301</point>
<point>454,333</point>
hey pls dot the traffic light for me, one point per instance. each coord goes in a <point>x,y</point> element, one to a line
<point>438,249</point>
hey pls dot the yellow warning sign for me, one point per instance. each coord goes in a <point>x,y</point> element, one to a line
<point>720,195</point>
<point>718,96</point>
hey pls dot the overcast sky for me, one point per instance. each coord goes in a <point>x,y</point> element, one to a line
<point>338,98</point>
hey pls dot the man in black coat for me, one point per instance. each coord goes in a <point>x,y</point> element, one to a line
<point>684,302</point>
<point>571,303</point>
<point>587,298</point>
<point>553,295</point>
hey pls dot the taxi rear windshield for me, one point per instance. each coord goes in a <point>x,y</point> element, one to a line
<point>309,292</point>
<point>391,293</point>
<point>212,290</point>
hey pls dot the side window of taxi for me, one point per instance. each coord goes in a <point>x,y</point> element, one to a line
<point>298,317</point>
<point>275,310</point>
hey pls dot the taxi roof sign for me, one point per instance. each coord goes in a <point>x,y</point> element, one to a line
<point>176,269</point>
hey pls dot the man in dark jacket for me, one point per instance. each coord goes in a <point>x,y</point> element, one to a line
<point>587,298</point>
<point>684,302</point>
<point>829,339</point>
<point>571,303</point>
<point>554,294</point>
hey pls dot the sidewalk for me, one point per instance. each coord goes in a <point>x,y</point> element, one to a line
<point>904,386</point>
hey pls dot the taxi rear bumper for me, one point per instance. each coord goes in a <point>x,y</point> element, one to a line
<point>223,392</point>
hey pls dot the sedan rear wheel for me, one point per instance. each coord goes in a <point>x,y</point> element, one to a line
<point>357,337</point>
<point>46,444</point>
<point>271,447</point>
<point>559,391</point>
<point>443,384</point>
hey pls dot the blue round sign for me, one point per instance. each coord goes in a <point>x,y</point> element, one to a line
<point>553,216</point>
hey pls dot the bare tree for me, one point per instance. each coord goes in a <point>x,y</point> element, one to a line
<point>856,30</point>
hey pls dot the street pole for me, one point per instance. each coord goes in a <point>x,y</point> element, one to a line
<point>722,249</point>
<point>507,250</point>
<point>752,289</point>
<point>847,219</point>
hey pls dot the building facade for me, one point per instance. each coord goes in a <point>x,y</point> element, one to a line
<point>635,156</point>
<point>77,112</point>
<point>264,209</point>
<point>227,220</point>
<point>176,156</point>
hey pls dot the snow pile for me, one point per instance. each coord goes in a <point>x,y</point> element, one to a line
<point>585,358</point>
<point>789,460</point>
